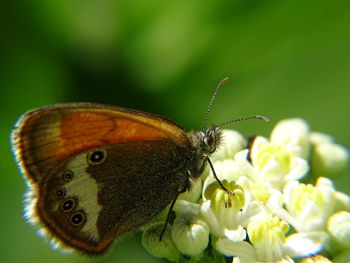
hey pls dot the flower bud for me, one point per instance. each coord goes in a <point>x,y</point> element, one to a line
<point>232,142</point>
<point>338,226</point>
<point>329,159</point>
<point>164,248</point>
<point>315,259</point>
<point>195,191</point>
<point>190,235</point>
<point>293,135</point>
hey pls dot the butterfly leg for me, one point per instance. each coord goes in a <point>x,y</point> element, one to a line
<point>168,216</point>
<point>207,159</point>
<point>181,190</point>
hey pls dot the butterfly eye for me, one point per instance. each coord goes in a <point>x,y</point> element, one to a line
<point>60,193</point>
<point>209,140</point>
<point>77,218</point>
<point>97,157</point>
<point>68,205</point>
<point>68,175</point>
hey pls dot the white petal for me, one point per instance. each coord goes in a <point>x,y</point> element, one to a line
<point>242,249</point>
<point>338,226</point>
<point>285,215</point>
<point>246,183</point>
<point>329,159</point>
<point>310,218</point>
<point>236,235</point>
<point>242,155</point>
<point>276,198</point>
<point>227,170</point>
<point>288,190</point>
<point>293,133</point>
<point>304,244</point>
<point>258,143</point>
<point>324,182</point>
<point>232,142</point>
<point>184,207</point>
<point>209,216</point>
<point>342,201</point>
<point>272,175</point>
<point>254,208</point>
<point>299,168</point>
<point>319,137</point>
<point>195,191</point>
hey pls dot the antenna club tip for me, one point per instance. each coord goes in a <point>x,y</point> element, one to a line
<point>265,119</point>
<point>224,80</point>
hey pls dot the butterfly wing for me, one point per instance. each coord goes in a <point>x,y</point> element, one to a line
<point>97,172</point>
<point>48,135</point>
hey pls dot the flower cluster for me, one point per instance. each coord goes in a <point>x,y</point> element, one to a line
<point>283,207</point>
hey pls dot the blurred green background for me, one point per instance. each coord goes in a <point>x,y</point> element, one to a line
<point>284,59</point>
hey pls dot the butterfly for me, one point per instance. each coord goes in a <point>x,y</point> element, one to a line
<point>96,172</point>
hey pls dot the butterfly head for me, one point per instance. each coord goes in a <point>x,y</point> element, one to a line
<point>209,139</point>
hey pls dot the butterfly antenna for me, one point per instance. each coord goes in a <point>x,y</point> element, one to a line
<point>259,117</point>
<point>212,100</point>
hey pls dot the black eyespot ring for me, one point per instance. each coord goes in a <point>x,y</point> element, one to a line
<point>68,205</point>
<point>78,218</point>
<point>97,157</point>
<point>60,193</point>
<point>68,175</point>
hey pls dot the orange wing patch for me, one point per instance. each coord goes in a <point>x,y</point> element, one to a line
<point>51,134</point>
<point>82,130</point>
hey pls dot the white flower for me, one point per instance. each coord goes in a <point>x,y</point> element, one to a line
<point>274,164</point>
<point>268,242</point>
<point>224,211</point>
<point>328,159</point>
<point>292,134</point>
<point>283,157</point>
<point>310,205</point>
<point>267,234</point>
<point>261,193</point>
<point>220,209</point>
